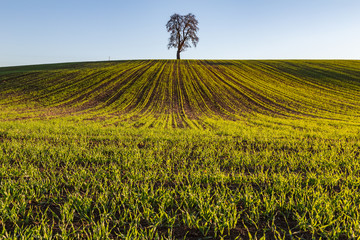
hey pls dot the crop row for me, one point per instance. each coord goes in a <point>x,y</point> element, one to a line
<point>184,93</point>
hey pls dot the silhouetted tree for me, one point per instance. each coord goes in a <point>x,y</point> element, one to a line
<point>182,30</point>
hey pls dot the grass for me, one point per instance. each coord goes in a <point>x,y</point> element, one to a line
<point>180,149</point>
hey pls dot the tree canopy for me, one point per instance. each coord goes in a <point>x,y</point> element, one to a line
<point>183,30</point>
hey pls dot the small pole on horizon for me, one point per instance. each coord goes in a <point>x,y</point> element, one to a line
<point>109,58</point>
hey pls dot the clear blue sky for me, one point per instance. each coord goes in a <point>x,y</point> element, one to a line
<point>49,31</point>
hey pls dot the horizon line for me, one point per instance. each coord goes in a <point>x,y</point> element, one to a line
<point>194,59</point>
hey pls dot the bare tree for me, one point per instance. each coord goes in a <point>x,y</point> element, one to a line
<point>182,30</point>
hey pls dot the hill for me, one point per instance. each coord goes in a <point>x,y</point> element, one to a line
<point>183,93</point>
<point>180,150</point>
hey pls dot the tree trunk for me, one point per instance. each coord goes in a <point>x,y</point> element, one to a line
<point>178,55</point>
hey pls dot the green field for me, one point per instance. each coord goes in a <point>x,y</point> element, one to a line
<point>166,149</point>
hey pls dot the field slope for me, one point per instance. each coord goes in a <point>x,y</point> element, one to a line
<point>184,93</point>
<point>163,149</point>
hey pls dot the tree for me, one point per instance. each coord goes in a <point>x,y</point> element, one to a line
<point>183,29</point>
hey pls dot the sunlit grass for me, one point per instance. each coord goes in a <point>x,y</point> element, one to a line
<point>174,150</point>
